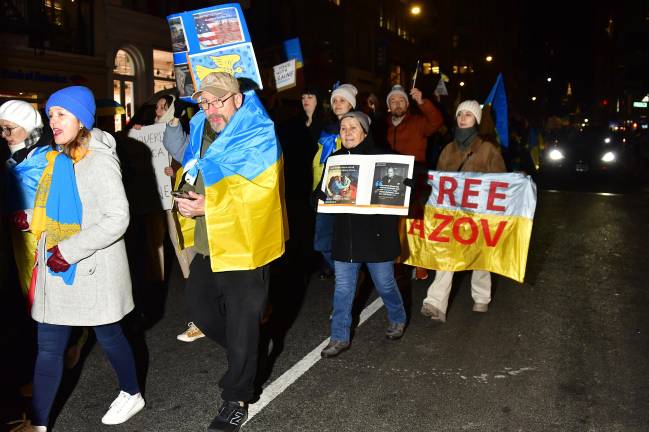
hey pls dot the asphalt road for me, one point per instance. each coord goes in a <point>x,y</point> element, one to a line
<point>565,351</point>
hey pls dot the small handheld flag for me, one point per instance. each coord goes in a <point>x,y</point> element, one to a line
<point>414,77</point>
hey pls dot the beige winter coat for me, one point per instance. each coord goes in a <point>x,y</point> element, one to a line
<point>101,292</point>
<point>481,156</point>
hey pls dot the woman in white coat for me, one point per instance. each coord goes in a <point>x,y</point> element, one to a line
<point>80,216</point>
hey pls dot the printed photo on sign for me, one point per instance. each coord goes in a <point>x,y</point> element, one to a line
<point>184,81</point>
<point>218,27</point>
<point>178,39</point>
<point>342,184</point>
<point>388,187</point>
<point>236,60</point>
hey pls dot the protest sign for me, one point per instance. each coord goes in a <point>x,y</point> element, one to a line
<point>474,221</point>
<point>367,184</point>
<point>152,136</point>
<point>293,51</point>
<point>284,75</point>
<point>213,39</point>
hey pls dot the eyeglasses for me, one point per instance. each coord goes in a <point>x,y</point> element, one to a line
<point>216,103</point>
<point>7,130</point>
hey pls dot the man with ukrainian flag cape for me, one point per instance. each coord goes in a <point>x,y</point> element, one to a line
<point>234,217</point>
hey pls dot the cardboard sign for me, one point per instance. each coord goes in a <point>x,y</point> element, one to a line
<point>152,136</point>
<point>284,75</point>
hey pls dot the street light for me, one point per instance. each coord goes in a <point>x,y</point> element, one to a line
<point>489,59</point>
<point>461,83</point>
<point>549,79</point>
<point>533,98</point>
<point>415,10</point>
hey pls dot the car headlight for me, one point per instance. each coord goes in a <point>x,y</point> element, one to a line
<point>608,157</point>
<point>555,155</point>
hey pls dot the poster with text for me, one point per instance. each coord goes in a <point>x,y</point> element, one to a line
<point>213,39</point>
<point>152,136</point>
<point>367,184</point>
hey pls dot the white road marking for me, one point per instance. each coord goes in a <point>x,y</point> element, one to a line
<point>278,386</point>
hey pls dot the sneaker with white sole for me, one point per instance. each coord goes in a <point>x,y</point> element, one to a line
<point>24,425</point>
<point>191,334</point>
<point>123,408</point>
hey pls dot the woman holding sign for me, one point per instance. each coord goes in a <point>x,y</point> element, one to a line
<point>360,239</point>
<point>467,152</point>
<point>82,277</point>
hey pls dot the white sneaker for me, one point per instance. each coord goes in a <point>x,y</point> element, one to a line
<point>191,334</point>
<point>123,408</point>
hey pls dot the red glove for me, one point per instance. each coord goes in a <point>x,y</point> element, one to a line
<point>19,220</point>
<point>56,262</point>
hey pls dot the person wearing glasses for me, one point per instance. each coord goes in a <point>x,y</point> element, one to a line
<point>230,201</point>
<point>27,139</point>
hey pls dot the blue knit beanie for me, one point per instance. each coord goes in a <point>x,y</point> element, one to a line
<point>79,100</point>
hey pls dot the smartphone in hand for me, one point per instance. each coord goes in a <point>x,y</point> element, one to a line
<point>181,194</point>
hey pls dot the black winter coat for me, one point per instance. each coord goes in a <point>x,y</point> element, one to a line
<point>365,238</point>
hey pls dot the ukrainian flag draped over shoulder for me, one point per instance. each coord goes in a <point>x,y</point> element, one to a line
<point>244,188</point>
<point>22,185</point>
<point>24,178</point>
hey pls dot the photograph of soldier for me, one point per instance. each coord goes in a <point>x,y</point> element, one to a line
<point>388,187</point>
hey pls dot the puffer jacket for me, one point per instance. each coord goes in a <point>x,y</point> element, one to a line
<point>410,136</point>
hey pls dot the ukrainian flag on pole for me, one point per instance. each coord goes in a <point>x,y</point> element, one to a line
<point>244,189</point>
<point>498,100</point>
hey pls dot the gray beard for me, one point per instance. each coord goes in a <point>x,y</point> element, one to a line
<point>396,121</point>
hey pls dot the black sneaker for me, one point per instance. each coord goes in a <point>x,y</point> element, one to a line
<point>230,417</point>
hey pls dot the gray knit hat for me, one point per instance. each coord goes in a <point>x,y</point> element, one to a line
<point>361,117</point>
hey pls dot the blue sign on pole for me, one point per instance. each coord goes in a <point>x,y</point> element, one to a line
<point>293,50</point>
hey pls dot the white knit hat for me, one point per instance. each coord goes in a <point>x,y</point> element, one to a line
<point>347,92</point>
<point>22,113</point>
<point>472,106</point>
<point>397,90</point>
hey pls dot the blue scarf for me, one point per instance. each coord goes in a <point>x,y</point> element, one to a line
<point>57,207</point>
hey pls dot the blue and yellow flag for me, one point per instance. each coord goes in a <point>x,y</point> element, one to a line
<point>22,184</point>
<point>244,189</point>
<point>24,178</point>
<point>57,206</point>
<point>474,221</point>
<point>498,101</point>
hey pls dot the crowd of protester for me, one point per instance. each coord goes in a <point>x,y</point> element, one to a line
<point>88,241</point>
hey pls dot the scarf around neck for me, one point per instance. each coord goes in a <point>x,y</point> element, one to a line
<point>464,137</point>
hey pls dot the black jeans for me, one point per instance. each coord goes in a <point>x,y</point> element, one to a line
<point>228,307</point>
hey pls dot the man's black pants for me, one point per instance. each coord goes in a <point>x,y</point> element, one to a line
<point>228,307</point>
